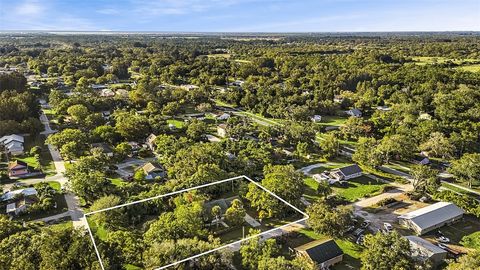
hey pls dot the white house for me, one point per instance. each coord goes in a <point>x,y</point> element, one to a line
<point>223,116</point>
<point>13,144</point>
<point>347,172</point>
<point>316,118</point>
<point>354,112</point>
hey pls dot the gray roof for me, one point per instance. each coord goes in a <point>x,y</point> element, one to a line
<point>349,170</point>
<point>434,214</point>
<point>355,111</point>
<point>419,242</point>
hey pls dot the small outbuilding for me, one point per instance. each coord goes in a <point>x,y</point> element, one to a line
<point>153,171</point>
<point>431,217</point>
<point>323,253</point>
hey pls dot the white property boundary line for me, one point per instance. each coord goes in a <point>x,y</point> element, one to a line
<point>305,217</point>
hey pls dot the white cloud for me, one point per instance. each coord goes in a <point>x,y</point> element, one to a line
<point>30,8</point>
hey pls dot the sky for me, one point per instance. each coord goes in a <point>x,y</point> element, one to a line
<point>241,15</point>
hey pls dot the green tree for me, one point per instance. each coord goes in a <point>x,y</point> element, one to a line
<point>281,180</point>
<point>196,130</point>
<point>235,214</point>
<point>470,261</point>
<point>424,179</point>
<point>366,153</point>
<point>327,220</point>
<point>329,145</point>
<point>387,252</point>
<point>217,213</point>
<point>254,250</point>
<point>324,189</point>
<point>114,218</point>
<point>169,251</point>
<point>123,150</point>
<point>78,113</point>
<point>438,146</point>
<point>467,168</point>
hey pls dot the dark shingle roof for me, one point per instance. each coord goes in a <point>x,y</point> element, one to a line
<point>349,170</point>
<point>321,252</point>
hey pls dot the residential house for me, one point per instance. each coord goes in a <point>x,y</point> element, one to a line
<point>99,86</point>
<point>316,118</point>
<point>222,130</point>
<point>26,192</point>
<point>338,99</point>
<point>106,115</point>
<point>122,93</point>
<point>237,83</point>
<point>354,112</point>
<point>423,250</point>
<point>424,116</point>
<point>107,93</point>
<point>421,160</point>
<point>153,171</point>
<point>19,200</point>
<point>18,168</point>
<point>384,108</point>
<point>106,149</point>
<point>151,141</point>
<point>346,173</point>
<point>431,217</point>
<point>188,87</point>
<point>323,253</point>
<point>13,144</point>
<point>223,116</point>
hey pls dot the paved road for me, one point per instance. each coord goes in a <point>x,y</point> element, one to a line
<point>73,204</point>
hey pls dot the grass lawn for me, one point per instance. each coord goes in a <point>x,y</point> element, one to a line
<point>359,187</point>
<point>311,190</point>
<point>55,185</point>
<point>100,231</point>
<point>117,181</point>
<point>176,123</point>
<point>472,240</point>
<point>459,190</point>
<point>46,161</point>
<point>333,120</point>
<point>131,267</point>
<point>471,68</point>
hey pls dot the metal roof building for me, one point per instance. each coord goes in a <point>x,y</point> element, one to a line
<point>431,217</point>
<point>424,250</point>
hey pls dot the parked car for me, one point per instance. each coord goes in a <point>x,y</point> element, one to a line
<point>365,224</point>
<point>442,246</point>
<point>360,239</point>
<point>349,229</point>
<point>442,239</point>
<point>388,227</point>
<point>358,232</point>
